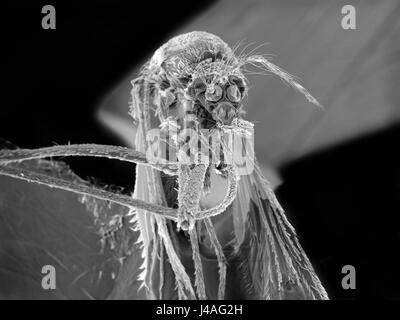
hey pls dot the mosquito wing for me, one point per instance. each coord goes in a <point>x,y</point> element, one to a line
<point>273,264</point>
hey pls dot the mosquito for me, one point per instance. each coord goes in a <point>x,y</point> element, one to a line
<point>222,233</point>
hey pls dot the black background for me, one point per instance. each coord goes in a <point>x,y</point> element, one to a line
<point>344,202</point>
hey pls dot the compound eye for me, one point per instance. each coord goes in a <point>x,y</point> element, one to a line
<point>214,93</point>
<point>233,93</point>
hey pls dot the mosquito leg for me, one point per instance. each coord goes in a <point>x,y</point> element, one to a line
<point>88,150</point>
<point>184,285</point>
<point>161,259</point>
<point>229,197</point>
<point>81,188</point>
<point>220,257</point>
<point>198,267</point>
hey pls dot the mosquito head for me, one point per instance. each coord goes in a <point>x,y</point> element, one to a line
<point>197,75</point>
